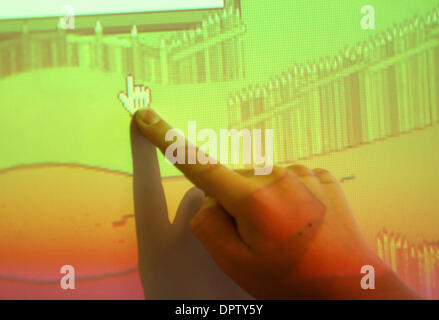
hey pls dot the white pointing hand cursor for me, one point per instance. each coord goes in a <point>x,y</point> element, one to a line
<point>136,97</point>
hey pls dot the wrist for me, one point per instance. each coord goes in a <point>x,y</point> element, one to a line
<point>345,282</point>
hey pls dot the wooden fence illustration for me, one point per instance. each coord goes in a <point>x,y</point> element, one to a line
<point>211,52</point>
<point>381,88</point>
<point>416,264</point>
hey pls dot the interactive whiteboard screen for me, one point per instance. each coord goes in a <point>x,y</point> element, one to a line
<point>321,84</point>
<point>19,9</point>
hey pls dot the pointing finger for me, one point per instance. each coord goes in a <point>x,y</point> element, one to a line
<point>130,86</point>
<point>214,179</point>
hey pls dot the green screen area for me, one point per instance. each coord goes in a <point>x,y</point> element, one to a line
<point>84,99</point>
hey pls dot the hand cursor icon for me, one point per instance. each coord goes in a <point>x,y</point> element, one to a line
<point>136,97</point>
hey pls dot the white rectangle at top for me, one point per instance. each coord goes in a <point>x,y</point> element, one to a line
<point>21,9</point>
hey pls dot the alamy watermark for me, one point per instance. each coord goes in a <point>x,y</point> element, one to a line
<point>368,280</point>
<point>67,282</point>
<point>368,20</point>
<point>67,20</point>
<point>229,139</point>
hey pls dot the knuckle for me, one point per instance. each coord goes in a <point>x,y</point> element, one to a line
<point>196,223</point>
<point>300,170</point>
<point>324,175</point>
<point>245,172</point>
<point>277,170</point>
<point>320,171</point>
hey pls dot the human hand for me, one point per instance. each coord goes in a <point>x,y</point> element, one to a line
<point>172,262</point>
<point>288,235</point>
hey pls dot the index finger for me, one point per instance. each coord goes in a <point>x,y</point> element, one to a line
<point>130,86</point>
<point>217,181</point>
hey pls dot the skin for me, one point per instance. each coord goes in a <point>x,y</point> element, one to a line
<point>172,262</point>
<point>287,235</point>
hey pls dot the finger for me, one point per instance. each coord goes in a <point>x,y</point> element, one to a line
<point>301,171</point>
<point>124,100</point>
<point>150,208</point>
<point>130,86</point>
<point>324,176</point>
<point>148,96</point>
<point>217,232</point>
<point>141,100</point>
<point>262,180</point>
<point>214,179</point>
<point>189,206</point>
<point>245,172</point>
<point>137,97</point>
<point>143,97</point>
<point>307,177</point>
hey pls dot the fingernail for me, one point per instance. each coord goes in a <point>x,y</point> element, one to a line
<point>148,116</point>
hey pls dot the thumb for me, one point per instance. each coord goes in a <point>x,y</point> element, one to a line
<point>149,198</point>
<point>188,208</point>
<point>123,98</point>
<point>217,231</point>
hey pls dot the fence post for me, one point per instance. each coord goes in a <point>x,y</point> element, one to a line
<point>164,62</point>
<point>98,58</point>
<point>205,30</point>
<point>25,44</point>
<point>137,62</point>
